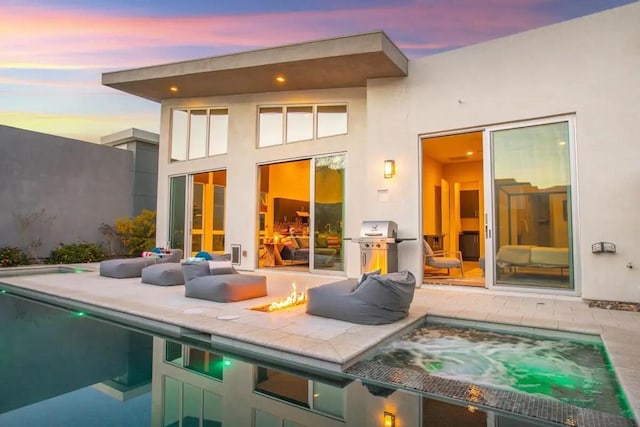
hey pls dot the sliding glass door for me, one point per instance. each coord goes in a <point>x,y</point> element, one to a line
<point>529,228</point>
<point>301,213</point>
<point>328,213</point>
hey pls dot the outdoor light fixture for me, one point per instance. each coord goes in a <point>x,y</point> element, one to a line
<point>389,420</point>
<point>280,79</point>
<point>389,168</point>
<point>173,89</point>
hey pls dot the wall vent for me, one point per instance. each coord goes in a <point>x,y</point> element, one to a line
<point>235,254</point>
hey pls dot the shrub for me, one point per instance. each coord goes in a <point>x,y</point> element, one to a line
<point>11,256</point>
<point>76,253</point>
<point>138,234</point>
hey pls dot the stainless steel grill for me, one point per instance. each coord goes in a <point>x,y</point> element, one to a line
<point>378,246</point>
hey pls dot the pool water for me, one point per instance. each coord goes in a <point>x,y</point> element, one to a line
<point>59,368</point>
<point>573,372</point>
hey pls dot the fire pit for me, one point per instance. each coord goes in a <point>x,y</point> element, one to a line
<point>294,299</point>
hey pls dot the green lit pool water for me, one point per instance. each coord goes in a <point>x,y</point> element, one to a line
<point>571,371</point>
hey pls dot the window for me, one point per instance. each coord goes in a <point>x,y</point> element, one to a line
<point>194,359</point>
<point>218,131</point>
<point>179,135</point>
<point>332,120</point>
<point>270,126</point>
<point>196,133</point>
<point>300,391</point>
<point>299,123</point>
<point>278,124</point>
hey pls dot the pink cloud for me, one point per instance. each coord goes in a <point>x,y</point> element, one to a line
<point>66,38</point>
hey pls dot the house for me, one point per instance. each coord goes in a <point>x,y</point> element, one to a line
<point>519,151</point>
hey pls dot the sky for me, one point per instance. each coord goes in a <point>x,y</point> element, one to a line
<point>53,52</point>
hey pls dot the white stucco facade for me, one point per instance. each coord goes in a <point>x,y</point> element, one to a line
<point>587,70</point>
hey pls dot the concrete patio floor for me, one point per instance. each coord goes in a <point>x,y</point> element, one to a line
<point>328,344</point>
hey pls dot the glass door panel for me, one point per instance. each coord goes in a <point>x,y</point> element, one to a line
<point>196,217</point>
<point>208,212</point>
<point>532,206</point>
<point>177,202</point>
<point>328,213</point>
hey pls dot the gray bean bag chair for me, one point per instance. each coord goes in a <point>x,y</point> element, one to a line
<point>377,299</point>
<point>132,267</point>
<point>163,274</point>
<point>222,284</point>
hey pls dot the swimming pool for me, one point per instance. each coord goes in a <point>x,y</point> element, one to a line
<point>62,368</point>
<point>499,360</point>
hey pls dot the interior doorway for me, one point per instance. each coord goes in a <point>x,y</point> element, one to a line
<point>453,207</point>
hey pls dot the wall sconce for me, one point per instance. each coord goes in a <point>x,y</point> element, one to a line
<point>389,418</point>
<point>389,168</point>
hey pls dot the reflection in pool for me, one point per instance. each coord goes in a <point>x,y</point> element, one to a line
<point>60,369</point>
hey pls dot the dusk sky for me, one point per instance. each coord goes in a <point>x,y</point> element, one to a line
<point>53,52</point>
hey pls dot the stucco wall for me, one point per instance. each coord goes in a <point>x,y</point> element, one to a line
<point>80,184</point>
<point>590,68</point>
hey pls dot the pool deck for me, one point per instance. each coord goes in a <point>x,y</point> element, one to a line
<point>327,344</point>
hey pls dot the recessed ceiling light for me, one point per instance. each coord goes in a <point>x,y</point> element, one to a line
<point>562,142</point>
<point>280,79</point>
<point>469,153</point>
<point>173,89</point>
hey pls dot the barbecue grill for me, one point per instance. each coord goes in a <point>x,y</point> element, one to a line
<point>378,246</point>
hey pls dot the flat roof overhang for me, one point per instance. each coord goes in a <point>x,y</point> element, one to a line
<point>324,64</point>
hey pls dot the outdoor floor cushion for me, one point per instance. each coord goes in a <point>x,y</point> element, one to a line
<point>164,274</point>
<point>377,300</point>
<point>132,267</point>
<point>221,284</point>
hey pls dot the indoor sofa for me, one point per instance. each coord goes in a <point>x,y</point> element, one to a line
<point>512,256</point>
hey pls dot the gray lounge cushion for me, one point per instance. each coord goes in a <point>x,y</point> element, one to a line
<point>380,299</point>
<point>132,267</point>
<point>226,287</point>
<point>222,283</point>
<point>164,274</point>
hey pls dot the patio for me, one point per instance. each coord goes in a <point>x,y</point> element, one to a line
<point>324,343</point>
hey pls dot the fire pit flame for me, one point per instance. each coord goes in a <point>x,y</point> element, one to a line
<point>294,298</point>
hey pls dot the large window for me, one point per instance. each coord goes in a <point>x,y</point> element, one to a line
<point>532,191</point>
<point>300,391</point>
<point>286,124</point>
<point>194,359</point>
<point>196,133</point>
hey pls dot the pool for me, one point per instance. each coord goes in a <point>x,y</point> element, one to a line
<point>31,270</point>
<point>61,367</point>
<point>549,366</point>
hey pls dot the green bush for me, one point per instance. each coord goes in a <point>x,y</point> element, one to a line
<point>138,234</point>
<point>11,256</point>
<point>76,253</point>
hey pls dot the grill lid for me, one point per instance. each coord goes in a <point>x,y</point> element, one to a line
<point>379,229</point>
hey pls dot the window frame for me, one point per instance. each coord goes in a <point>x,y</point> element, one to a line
<point>285,122</point>
<point>187,136</point>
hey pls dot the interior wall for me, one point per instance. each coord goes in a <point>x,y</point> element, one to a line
<point>288,181</point>
<point>431,178</point>
<point>469,176</point>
